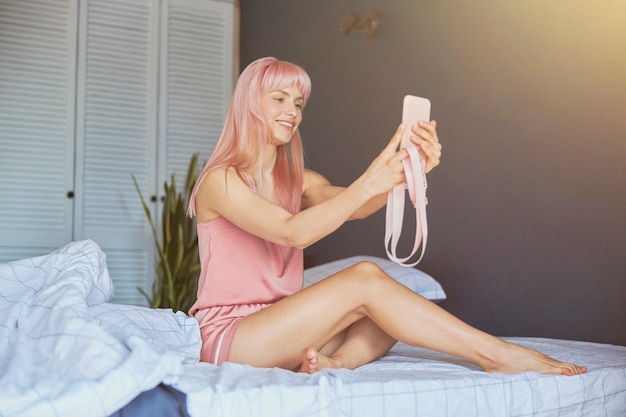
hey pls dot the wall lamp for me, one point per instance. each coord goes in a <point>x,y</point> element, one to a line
<point>368,23</point>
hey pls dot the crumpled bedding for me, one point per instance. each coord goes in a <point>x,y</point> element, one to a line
<point>60,356</point>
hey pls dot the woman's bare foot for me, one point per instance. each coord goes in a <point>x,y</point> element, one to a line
<point>509,358</point>
<point>514,358</point>
<point>313,361</point>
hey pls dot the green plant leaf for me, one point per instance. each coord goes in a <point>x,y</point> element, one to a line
<point>177,260</point>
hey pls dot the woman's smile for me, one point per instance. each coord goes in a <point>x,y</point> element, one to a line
<point>283,107</point>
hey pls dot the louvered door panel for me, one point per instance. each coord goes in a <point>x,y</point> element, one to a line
<point>116,136</point>
<point>37,61</point>
<point>196,82</point>
<point>80,113</point>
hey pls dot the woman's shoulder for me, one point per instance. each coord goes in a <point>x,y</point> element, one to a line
<point>218,185</point>
<point>225,176</point>
<point>312,178</point>
<point>227,182</point>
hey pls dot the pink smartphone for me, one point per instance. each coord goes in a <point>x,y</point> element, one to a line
<point>414,109</point>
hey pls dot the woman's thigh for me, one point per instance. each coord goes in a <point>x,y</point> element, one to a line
<point>315,317</point>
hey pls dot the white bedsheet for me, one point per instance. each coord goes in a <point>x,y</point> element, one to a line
<point>416,382</point>
<point>58,358</point>
<point>65,351</point>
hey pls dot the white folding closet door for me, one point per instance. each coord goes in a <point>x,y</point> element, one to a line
<point>37,73</point>
<point>197,72</point>
<point>156,83</point>
<point>116,135</point>
<point>93,92</point>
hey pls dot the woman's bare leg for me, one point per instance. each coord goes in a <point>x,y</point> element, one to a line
<point>309,320</point>
<point>361,343</point>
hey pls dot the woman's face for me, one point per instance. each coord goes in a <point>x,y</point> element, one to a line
<point>282,110</point>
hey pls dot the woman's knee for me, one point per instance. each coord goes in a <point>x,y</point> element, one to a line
<point>366,272</point>
<point>360,284</point>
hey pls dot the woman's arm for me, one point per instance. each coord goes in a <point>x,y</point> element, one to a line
<point>318,189</point>
<point>224,193</point>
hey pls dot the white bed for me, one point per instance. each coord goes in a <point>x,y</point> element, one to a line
<point>66,351</point>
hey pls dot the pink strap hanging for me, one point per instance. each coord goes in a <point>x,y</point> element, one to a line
<point>414,109</point>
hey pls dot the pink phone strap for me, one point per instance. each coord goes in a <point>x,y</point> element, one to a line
<point>416,184</point>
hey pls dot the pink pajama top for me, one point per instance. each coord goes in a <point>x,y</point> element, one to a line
<point>240,274</point>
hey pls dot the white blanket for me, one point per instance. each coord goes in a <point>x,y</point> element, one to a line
<point>59,356</point>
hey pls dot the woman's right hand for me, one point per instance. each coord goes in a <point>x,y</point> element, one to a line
<point>386,171</point>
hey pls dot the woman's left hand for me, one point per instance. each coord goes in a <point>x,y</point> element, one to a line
<point>425,137</point>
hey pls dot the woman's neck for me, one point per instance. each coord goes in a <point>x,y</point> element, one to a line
<point>263,171</point>
<point>265,166</point>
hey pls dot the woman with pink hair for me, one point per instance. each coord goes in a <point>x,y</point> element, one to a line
<point>257,208</point>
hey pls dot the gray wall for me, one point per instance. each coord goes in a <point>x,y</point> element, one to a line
<point>527,209</point>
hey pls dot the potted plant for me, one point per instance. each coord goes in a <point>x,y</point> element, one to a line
<point>177,260</point>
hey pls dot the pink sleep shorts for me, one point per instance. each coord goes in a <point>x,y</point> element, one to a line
<point>217,329</point>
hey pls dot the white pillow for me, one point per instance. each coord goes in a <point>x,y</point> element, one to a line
<point>412,278</point>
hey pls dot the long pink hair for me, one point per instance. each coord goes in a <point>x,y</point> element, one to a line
<point>246,132</point>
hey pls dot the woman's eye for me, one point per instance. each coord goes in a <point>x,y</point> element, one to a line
<point>299,106</point>
<point>279,99</point>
